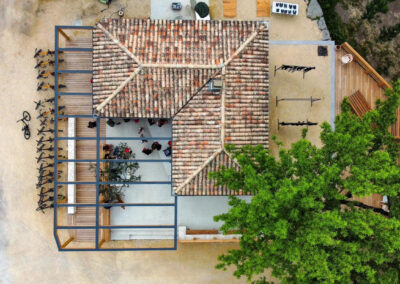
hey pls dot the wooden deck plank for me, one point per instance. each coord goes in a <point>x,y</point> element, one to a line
<point>359,76</point>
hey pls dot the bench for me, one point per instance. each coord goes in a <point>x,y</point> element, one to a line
<point>359,104</point>
<point>71,196</point>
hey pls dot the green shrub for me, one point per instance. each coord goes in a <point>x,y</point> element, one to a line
<point>376,6</point>
<point>337,29</point>
<point>389,33</point>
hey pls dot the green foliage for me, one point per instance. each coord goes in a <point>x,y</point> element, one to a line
<point>376,6</point>
<point>389,33</point>
<point>363,33</point>
<point>338,30</point>
<point>122,172</point>
<point>202,9</point>
<point>394,206</point>
<point>302,222</point>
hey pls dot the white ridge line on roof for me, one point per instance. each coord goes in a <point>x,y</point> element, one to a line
<point>123,84</point>
<point>243,46</point>
<point>223,107</point>
<point>189,66</point>
<point>117,42</point>
<point>198,170</point>
<point>230,157</point>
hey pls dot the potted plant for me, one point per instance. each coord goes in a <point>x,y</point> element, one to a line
<point>121,172</point>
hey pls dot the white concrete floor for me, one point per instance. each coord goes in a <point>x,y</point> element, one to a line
<point>194,212</point>
<point>161,9</point>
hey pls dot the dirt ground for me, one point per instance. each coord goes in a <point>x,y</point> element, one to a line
<point>28,252</point>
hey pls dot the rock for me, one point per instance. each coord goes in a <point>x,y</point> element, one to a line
<point>314,10</point>
<point>322,24</point>
<point>326,35</point>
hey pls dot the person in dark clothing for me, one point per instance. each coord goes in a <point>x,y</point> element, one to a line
<point>92,124</point>
<point>161,122</point>
<point>144,140</point>
<point>127,119</point>
<point>156,146</point>
<point>108,147</point>
<point>151,121</point>
<point>110,122</point>
<point>147,151</point>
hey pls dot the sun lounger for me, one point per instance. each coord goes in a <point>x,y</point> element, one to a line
<point>359,104</point>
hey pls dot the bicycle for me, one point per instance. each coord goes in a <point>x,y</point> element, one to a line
<point>38,104</point>
<point>41,53</point>
<point>45,74</point>
<point>25,117</point>
<point>42,63</point>
<point>42,140</point>
<point>42,86</point>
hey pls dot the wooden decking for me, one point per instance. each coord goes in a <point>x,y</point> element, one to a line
<point>85,149</point>
<point>86,193</point>
<point>358,77</point>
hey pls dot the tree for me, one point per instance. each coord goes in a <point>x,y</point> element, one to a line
<point>302,222</point>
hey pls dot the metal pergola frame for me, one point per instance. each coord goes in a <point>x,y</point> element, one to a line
<point>97,227</point>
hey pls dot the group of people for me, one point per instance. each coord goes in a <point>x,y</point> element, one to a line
<point>157,146</point>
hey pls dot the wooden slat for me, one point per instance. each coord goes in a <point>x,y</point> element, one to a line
<point>210,241</point>
<point>229,8</point>
<point>263,8</point>
<point>381,81</point>
<point>360,76</point>
<point>64,245</point>
<point>359,104</point>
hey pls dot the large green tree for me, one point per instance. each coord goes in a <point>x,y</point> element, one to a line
<point>302,222</point>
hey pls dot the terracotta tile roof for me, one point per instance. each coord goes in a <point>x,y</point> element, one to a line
<point>160,68</point>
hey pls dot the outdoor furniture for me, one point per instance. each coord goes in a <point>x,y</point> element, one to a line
<point>298,123</point>
<point>347,58</point>
<point>359,104</point>
<point>285,8</point>
<point>263,8</point>
<point>229,8</point>
<point>297,99</point>
<point>177,6</point>
<point>293,68</point>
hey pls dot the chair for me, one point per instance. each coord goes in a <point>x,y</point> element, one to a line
<point>359,104</point>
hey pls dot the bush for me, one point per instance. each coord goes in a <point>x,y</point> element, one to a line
<point>337,29</point>
<point>387,34</point>
<point>202,9</point>
<point>376,6</point>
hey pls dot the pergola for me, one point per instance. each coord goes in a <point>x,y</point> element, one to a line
<point>65,244</point>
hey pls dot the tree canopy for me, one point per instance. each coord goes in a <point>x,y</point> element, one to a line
<point>302,222</point>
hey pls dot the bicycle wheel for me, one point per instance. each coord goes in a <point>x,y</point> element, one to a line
<point>27,132</point>
<point>26,116</point>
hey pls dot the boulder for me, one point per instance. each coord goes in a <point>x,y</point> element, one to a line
<point>314,10</point>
